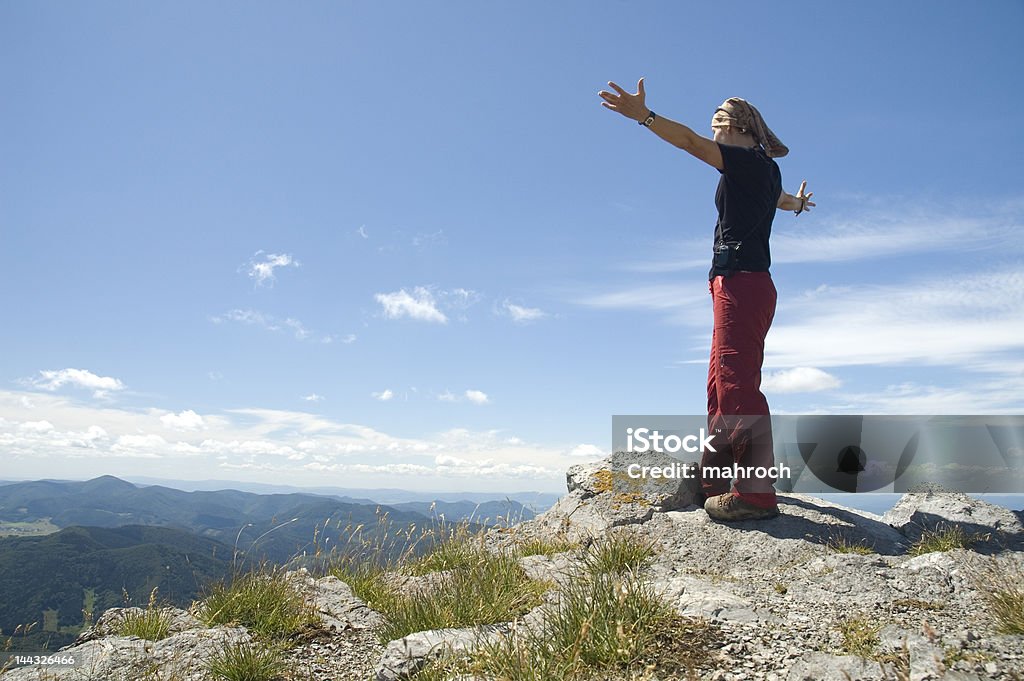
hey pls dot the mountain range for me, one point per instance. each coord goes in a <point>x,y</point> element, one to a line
<point>108,539</point>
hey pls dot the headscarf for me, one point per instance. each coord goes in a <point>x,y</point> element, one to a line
<point>742,114</point>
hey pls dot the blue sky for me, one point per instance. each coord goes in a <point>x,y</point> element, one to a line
<point>401,244</point>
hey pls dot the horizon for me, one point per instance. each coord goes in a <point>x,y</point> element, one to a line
<point>402,245</point>
<point>871,502</point>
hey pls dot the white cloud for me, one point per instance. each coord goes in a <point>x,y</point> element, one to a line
<point>36,426</point>
<point>262,270</point>
<point>186,420</point>
<point>362,232</point>
<point>460,298</point>
<point>685,304</point>
<point>862,234</point>
<point>313,397</point>
<point>253,317</point>
<point>348,339</point>
<point>522,315</point>
<point>799,380</point>
<point>384,395</point>
<point>981,397</point>
<point>419,305</point>
<point>289,447</point>
<point>955,320</point>
<point>586,451</point>
<point>474,396</point>
<point>270,323</point>
<point>139,446</point>
<point>100,385</point>
<point>477,397</point>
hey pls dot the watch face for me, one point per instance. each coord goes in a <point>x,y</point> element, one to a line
<point>650,119</point>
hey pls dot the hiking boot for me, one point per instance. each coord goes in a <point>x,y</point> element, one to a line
<point>731,507</point>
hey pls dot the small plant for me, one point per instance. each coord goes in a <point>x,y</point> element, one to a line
<point>1003,592</point>
<point>781,588</point>
<point>263,602</point>
<point>544,547</point>
<point>601,623</point>
<point>491,588</point>
<point>452,553</point>
<point>366,579</point>
<point>860,636</point>
<point>840,544</point>
<point>947,539</point>
<point>247,662</point>
<point>619,552</point>
<point>151,624</point>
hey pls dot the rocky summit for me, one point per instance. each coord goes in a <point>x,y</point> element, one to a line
<point>819,592</point>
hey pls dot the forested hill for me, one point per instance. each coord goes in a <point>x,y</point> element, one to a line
<point>276,527</point>
<point>51,580</point>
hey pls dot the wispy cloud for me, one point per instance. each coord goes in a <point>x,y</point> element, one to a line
<point>262,265</point>
<point>271,323</point>
<point>682,304</point>
<point>419,305</point>
<point>862,234</point>
<point>313,397</point>
<point>963,321</point>
<point>383,395</point>
<point>53,380</point>
<point>521,314</point>
<point>424,239</point>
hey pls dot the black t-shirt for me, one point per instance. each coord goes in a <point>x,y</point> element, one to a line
<point>747,196</point>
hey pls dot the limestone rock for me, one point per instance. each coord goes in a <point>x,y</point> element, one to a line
<point>995,527</point>
<point>604,494</point>
<point>404,657</point>
<point>183,656</point>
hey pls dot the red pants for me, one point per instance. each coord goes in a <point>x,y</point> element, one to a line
<point>744,306</point>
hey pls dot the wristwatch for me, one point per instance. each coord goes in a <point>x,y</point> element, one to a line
<point>647,122</point>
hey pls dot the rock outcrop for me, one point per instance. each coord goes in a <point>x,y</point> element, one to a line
<point>785,595</point>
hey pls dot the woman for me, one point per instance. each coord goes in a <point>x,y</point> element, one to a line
<point>742,292</point>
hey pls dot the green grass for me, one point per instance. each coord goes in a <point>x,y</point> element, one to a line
<point>151,624</point>
<point>263,602</point>
<point>544,547</point>
<point>945,539</point>
<point>367,581</point>
<point>840,544</point>
<point>247,662</point>
<point>490,588</point>
<point>860,636</point>
<point>619,552</point>
<point>603,623</point>
<point>1002,589</point>
<point>454,553</point>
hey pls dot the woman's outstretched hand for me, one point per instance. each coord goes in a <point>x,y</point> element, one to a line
<point>632,106</point>
<point>804,199</point>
